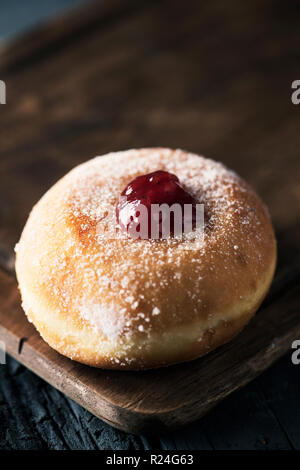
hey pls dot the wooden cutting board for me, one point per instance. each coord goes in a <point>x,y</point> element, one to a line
<point>115,75</point>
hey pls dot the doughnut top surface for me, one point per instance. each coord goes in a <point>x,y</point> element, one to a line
<point>130,292</point>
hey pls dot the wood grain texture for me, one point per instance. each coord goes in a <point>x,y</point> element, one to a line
<point>208,78</point>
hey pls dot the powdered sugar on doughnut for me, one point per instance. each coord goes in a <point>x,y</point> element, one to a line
<point>123,287</point>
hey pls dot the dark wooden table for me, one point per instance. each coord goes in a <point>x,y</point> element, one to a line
<point>214,78</point>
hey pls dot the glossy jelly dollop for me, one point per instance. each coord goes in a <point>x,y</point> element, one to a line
<point>134,209</point>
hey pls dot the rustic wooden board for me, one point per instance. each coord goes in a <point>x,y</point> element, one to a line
<point>208,78</point>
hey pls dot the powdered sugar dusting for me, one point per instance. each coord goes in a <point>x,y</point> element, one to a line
<point>107,319</point>
<point>127,285</point>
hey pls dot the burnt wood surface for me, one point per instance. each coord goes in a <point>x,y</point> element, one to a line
<point>215,79</point>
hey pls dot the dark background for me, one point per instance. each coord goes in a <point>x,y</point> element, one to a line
<point>18,16</point>
<point>263,415</point>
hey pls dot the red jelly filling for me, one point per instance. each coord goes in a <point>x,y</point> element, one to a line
<point>134,211</point>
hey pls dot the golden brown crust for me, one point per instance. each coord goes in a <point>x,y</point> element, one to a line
<point>131,304</point>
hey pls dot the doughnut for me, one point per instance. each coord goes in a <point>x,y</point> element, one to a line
<point>107,299</point>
